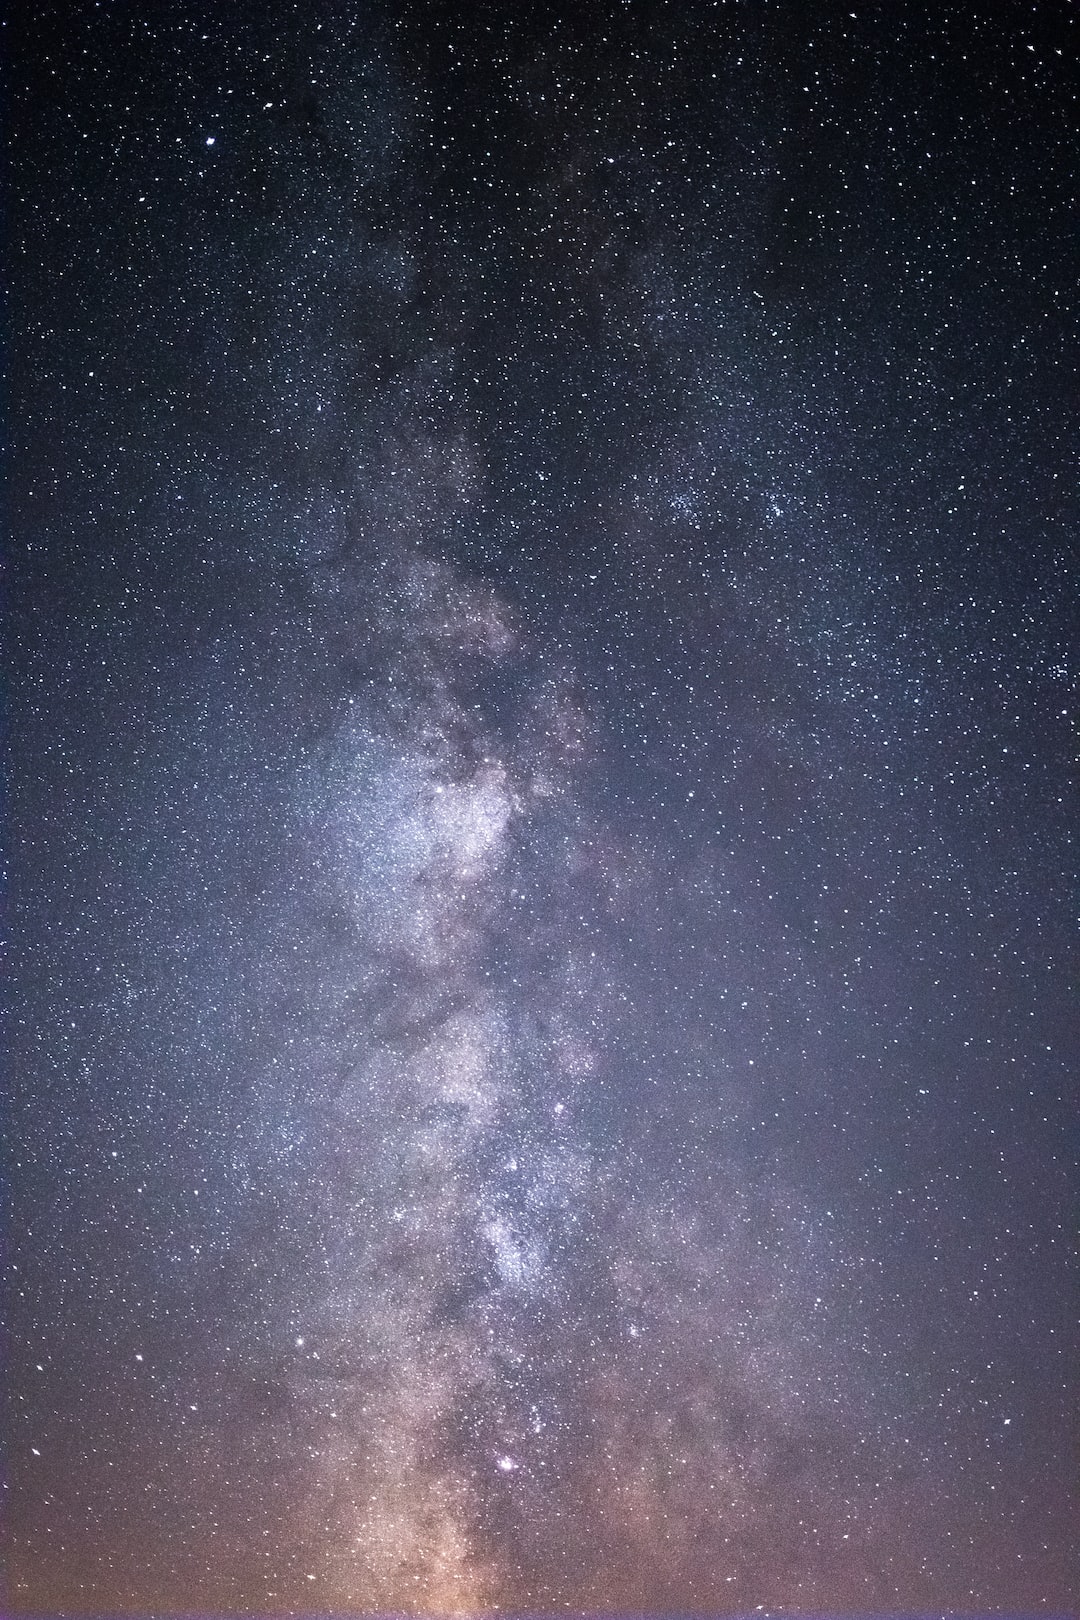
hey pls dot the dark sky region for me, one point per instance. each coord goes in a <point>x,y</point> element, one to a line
<point>542,629</point>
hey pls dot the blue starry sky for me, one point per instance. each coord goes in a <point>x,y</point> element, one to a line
<point>542,649</point>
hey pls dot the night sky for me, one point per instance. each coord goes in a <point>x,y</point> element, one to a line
<point>542,628</point>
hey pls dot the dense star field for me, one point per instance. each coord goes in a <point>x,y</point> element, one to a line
<point>542,638</point>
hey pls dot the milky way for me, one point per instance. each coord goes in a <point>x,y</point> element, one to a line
<point>530,1371</point>
<point>543,636</point>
